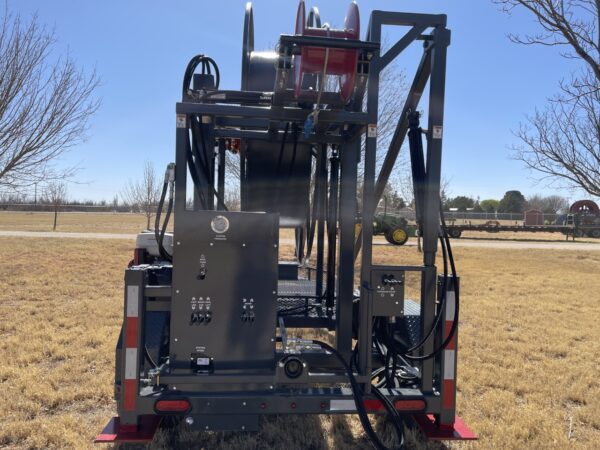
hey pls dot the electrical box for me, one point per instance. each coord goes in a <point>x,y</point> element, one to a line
<point>388,291</point>
<point>223,313</point>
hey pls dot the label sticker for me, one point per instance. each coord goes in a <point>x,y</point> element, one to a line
<point>372,130</point>
<point>438,131</point>
<point>181,121</point>
<point>202,361</point>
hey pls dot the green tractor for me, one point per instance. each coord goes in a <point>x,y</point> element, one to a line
<point>395,229</point>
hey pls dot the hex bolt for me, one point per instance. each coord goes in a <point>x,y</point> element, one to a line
<point>175,339</point>
<point>212,243</point>
<point>206,427</point>
<point>179,243</point>
<point>243,403</point>
<point>189,420</point>
<point>177,291</point>
<point>243,427</point>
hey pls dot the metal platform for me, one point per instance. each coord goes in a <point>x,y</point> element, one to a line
<point>299,304</point>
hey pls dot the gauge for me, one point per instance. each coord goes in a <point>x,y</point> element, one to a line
<point>220,224</point>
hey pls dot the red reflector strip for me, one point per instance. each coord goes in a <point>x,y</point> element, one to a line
<point>129,394</point>
<point>172,405</point>
<point>373,405</point>
<point>448,399</point>
<point>400,405</point>
<point>410,405</point>
<point>131,332</point>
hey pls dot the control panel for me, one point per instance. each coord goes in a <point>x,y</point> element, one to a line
<point>223,313</point>
<point>388,291</point>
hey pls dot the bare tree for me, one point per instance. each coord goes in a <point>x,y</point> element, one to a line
<point>562,141</point>
<point>45,103</point>
<point>55,194</point>
<point>551,204</point>
<point>143,195</point>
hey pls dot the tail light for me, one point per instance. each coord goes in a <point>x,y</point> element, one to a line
<point>173,406</point>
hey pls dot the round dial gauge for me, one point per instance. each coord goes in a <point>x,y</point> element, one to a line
<point>220,224</point>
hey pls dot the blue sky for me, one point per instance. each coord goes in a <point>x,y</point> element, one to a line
<point>140,49</point>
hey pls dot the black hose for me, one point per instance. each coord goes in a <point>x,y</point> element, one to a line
<point>203,163</point>
<point>357,393</point>
<point>157,235</point>
<point>206,62</point>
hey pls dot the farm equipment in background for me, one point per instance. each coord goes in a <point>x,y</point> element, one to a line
<point>208,309</point>
<point>583,220</point>
<point>396,230</point>
<point>584,216</point>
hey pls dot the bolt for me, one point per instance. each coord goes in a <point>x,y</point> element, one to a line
<point>177,291</point>
<point>178,243</point>
<point>275,245</point>
<point>274,292</point>
<point>175,339</point>
<point>243,245</point>
<point>189,420</point>
<point>243,403</point>
<point>174,388</point>
<point>243,427</point>
<point>211,244</point>
<point>206,427</point>
<point>272,340</point>
<point>397,303</point>
<point>270,387</point>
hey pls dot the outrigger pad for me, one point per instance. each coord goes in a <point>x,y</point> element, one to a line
<point>459,432</point>
<point>113,432</point>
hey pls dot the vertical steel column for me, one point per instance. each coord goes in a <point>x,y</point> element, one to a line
<point>243,185</point>
<point>209,161</point>
<point>412,101</point>
<point>131,351</point>
<point>182,147</point>
<point>431,209</point>
<point>349,157</point>
<point>365,332</point>
<point>221,173</point>
<point>321,186</point>
<point>447,363</point>
<point>332,228</point>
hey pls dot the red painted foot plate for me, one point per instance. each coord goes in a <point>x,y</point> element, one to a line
<point>459,432</point>
<point>114,432</point>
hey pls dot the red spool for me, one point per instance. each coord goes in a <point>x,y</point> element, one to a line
<point>340,62</point>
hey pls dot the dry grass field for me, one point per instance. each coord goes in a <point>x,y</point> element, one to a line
<point>126,223</point>
<point>528,365</point>
<point>73,222</point>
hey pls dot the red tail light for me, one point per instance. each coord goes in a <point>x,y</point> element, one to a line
<point>172,406</point>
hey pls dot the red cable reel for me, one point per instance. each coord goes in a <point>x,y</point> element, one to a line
<point>333,61</point>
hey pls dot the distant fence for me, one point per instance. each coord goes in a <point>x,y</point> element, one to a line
<point>465,217</point>
<point>45,207</point>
